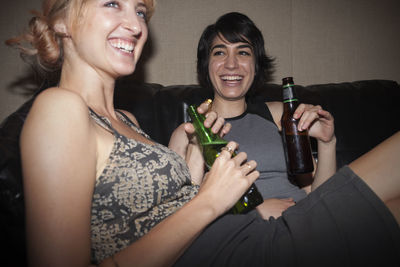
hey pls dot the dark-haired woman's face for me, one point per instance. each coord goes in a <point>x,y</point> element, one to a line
<point>231,68</point>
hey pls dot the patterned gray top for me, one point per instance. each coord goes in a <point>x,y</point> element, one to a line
<point>139,187</point>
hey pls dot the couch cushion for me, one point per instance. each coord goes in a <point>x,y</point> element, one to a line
<point>365,113</point>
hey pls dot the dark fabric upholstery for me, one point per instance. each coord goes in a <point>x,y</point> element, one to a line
<point>12,223</point>
<point>365,112</point>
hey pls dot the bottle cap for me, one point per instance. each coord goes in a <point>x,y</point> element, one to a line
<point>287,80</point>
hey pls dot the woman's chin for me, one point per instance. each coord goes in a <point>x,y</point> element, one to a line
<point>124,71</point>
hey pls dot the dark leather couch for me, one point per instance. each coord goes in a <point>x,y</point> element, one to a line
<point>365,112</point>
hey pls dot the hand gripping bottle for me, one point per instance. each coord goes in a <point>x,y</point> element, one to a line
<point>211,144</point>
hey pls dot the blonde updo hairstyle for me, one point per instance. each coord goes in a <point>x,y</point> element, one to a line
<point>43,42</point>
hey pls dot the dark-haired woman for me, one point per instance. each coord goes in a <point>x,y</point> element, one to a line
<point>232,62</point>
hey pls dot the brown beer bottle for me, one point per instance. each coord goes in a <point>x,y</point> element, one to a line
<point>297,143</point>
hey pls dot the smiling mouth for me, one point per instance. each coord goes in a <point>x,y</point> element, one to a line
<point>231,78</point>
<point>122,45</point>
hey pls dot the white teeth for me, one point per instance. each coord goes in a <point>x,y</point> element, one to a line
<point>231,78</point>
<point>127,47</point>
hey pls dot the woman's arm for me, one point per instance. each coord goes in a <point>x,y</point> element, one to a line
<point>224,184</point>
<point>320,124</point>
<point>184,143</point>
<point>167,241</point>
<point>58,161</point>
<point>326,164</point>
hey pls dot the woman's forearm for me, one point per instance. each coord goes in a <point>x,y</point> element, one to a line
<point>163,245</point>
<point>326,165</point>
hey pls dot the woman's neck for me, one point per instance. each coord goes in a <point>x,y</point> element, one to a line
<point>97,92</point>
<point>229,108</point>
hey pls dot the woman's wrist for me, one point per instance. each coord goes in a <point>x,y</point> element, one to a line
<point>207,206</point>
<point>330,143</point>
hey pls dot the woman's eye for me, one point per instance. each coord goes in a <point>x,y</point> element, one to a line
<point>112,4</point>
<point>244,53</point>
<point>218,53</point>
<point>141,14</point>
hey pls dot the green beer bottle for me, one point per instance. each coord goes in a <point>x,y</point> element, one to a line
<point>212,144</point>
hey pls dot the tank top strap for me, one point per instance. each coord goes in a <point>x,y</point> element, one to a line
<point>126,119</point>
<point>131,124</point>
<point>261,109</point>
<point>102,121</point>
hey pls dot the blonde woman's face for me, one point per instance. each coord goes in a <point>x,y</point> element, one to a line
<point>111,35</point>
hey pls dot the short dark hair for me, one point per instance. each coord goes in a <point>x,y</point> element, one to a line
<point>234,27</point>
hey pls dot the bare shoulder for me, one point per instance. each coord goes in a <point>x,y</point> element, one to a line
<point>54,99</point>
<point>56,113</point>
<point>130,116</point>
<point>57,134</point>
<point>276,109</point>
<point>58,104</point>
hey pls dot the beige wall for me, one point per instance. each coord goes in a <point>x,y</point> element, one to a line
<point>316,41</point>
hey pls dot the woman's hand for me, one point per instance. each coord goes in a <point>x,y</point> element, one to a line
<point>185,133</point>
<point>273,207</point>
<point>319,122</point>
<point>228,179</point>
<point>320,125</point>
<point>184,142</point>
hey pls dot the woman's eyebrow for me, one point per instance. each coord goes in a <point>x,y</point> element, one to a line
<point>238,47</point>
<point>245,46</point>
<point>141,4</point>
<point>218,46</point>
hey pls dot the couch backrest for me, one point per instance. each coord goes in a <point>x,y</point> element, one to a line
<point>365,112</point>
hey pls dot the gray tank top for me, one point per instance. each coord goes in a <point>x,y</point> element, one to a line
<point>259,137</point>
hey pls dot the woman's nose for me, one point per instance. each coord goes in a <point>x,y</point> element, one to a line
<point>231,62</point>
<point>132,24</point>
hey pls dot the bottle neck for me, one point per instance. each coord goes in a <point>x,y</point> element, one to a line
<point>205,135</point>
<point>290,100</point>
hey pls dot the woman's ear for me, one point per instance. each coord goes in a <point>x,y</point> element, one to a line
<point>61,29</point>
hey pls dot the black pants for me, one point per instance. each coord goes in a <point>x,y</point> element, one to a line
<point>342,223</point>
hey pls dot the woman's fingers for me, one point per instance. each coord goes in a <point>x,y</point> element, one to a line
<point>248,167</point>
<point>274,207</point>
<point>319,122</point>
<point>225,129</point>
<point>240,159</point>
<point>307,115</point>
<point>325,115</point>
<point>205,106</point>
<point>213,121</point>
<point>229,148</point>
<point>230,176</point>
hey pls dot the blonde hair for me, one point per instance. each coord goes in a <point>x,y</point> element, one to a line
<point>44,42</point>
